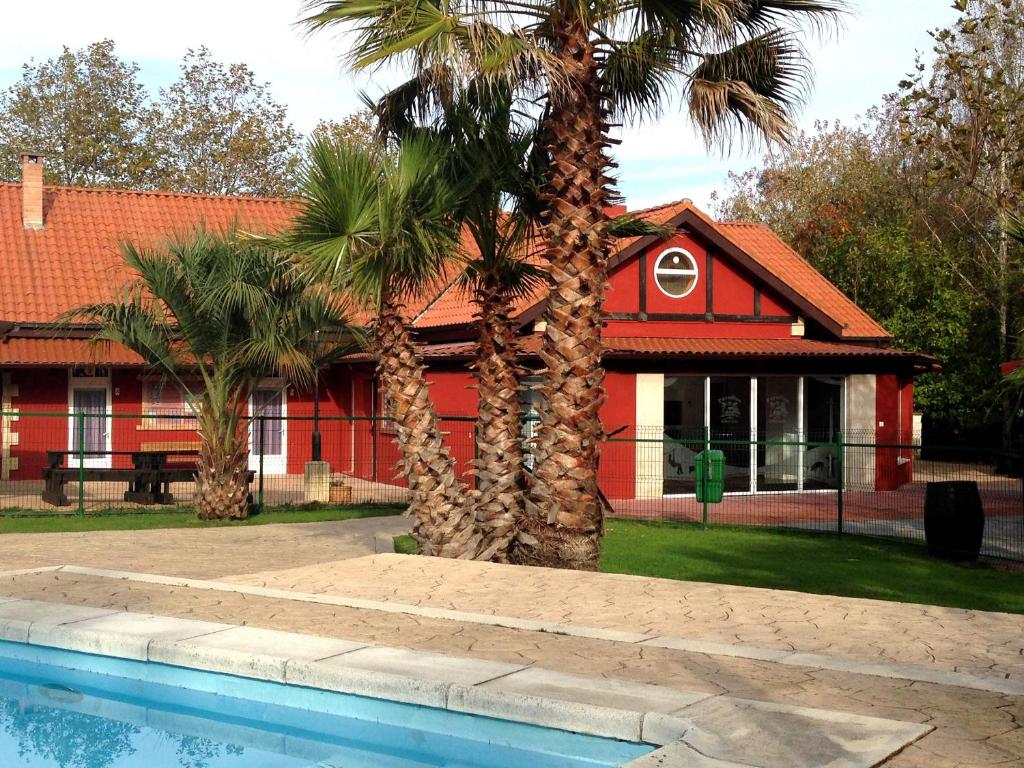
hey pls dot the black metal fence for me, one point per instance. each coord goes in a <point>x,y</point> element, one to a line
<point>96,463</point>
<point>846,484</point>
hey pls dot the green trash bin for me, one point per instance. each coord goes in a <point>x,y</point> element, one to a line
<point>710,469</point>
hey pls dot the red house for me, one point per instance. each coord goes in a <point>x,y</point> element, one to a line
<point>719,330</point>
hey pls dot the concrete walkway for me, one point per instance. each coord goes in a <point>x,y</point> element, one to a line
<point>972,727</point>
<point>201,552</point>
<point>946,639</point>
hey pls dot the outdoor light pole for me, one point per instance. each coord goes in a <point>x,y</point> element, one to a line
<point>316,401</point>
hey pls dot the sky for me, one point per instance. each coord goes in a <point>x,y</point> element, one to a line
<point>659,161</point>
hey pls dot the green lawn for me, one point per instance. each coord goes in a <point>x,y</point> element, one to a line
<point>179,518</point>
<point>823,564</point>
<point>805,562</point>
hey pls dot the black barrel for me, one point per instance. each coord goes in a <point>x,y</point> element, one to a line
<point>954,521</point>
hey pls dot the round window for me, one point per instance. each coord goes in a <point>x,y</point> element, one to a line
<point>675,273</point>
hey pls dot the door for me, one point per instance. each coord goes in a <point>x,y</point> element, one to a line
<point>683,420</point>
<point>91,431</point>
<point>269,431</point>
<point>731,428</point>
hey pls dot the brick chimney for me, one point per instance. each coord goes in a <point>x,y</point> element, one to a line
<point>32,191</point>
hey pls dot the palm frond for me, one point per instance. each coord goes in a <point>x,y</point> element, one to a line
<point>752,86</point>
<point>628,225</point>
<point>640,73</point>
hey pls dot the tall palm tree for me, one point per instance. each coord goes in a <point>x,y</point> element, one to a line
<point>489,155</point>
<point>738,63</point>
<point>213,315</point>
<point>380,227</point>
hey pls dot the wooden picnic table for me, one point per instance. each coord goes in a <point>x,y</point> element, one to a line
<point>149,478</point>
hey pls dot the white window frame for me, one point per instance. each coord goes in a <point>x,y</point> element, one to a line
<point>90,382</point>
<point>754,436</point>
<point>273,465</point>
<point>693,271</point>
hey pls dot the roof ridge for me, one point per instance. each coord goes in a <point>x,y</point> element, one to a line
<point>154,193</point>
<point>681,201</point>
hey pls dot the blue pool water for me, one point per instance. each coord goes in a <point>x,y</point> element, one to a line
<point>68,710</point>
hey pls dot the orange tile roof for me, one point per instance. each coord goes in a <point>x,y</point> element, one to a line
<point>646,346</point>
<point>61,352</point>
<point>455,306</point>
<point>772,252</point>
<point>75,259</point>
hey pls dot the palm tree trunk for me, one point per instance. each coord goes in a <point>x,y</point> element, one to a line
<point>222,479</point>
<point>444,524</point>
<point>564,512</point>
<point>499,439</point>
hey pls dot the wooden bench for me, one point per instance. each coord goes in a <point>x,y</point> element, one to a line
<point>149,478</point>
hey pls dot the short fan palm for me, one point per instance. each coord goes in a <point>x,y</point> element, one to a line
<point>380,228</point>
<point>213,315</point>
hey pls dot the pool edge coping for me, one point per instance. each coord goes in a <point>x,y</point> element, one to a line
<point>180,642</point>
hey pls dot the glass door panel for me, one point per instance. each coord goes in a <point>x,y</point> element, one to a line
<point>731,428</point>
<point>90,433</point>
<point>683,432</point>
<point>778,425</point>
<point>268,431</point>
<point>823,397</point>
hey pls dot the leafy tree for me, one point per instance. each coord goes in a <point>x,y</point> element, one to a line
<point>218,131</point>
<point>848,199</point>
<point>738,63</point>
<point>85,110</point>
<point>964,116</point>
<point>360,128</point>
<point>215,314</point>
<point>381,228</point>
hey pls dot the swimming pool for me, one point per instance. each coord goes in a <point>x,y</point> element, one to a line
<point>62,709</point>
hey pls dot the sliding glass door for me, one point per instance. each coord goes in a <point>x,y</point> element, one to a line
<point>770,428</point>
<point>684,431</point>
<point>731,428</point>
<point>778,433</point>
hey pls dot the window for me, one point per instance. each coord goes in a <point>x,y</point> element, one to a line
<point>164,403</point>
<point>675,273</point>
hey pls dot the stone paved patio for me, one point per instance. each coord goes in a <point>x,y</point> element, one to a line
<point>201,552</point>
<point>976,642</point>
<point>973,727</point>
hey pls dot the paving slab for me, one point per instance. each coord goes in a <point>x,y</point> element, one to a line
<point>18,616</point>
<point>424,666</point>
<point>248,651</point>
<point>599,691</point>
<point>680,756</point>
<point>330,675</point>
<point>789,737</point>
<point>568,715</point>
<point>126,635</point>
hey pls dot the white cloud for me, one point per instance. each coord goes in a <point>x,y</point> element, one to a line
<point>658,162</point>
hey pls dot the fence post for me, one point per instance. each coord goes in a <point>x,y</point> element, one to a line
<point>259,447</point>
<point>841,476</point>
<point>707,447</point>
<point>80,417</point>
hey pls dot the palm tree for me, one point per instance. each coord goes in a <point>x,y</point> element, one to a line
<point>215,314</point>
<point>380,227</point>
<point>490,157</point>
<point>738,63</point>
